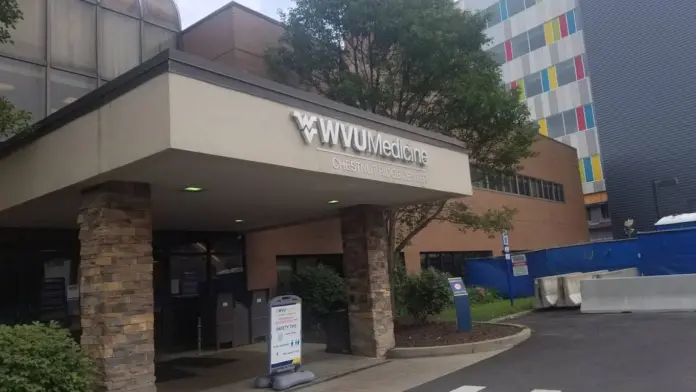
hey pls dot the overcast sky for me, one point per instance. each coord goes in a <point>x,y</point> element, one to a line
<point>194,10</point>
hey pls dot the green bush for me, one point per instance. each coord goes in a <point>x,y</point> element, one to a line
<point>42,358</point>
<point>322,291</point>
<point>426,294</point>
<point>480,295</point>
<point>399,277</point>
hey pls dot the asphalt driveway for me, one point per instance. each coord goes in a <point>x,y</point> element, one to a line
<point>574,352</point>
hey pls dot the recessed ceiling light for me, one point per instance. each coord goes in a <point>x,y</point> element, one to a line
<point>239,221</point>
<point>333,201</point>
<point>192,189</point>
<point>69,100</point>
<point>6,87</point>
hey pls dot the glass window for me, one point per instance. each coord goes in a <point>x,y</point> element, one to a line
<point>530,3</point>
<point>536,188</point>
<point>448,264</point>
<point>29,37</point>
<point>156,40</point>
<point>605,211</point>
<point>523,185</point>
<point>565,72</point>
<point>536,38</point>
<point>532,84</point>
<point>24,85</point>
<point>305,262</point>
<point>498,53</point>
<point>161,12</point>
<point>284,274</point>
<point>67,88</point>
<point>578,20</point>
<point>223,264</point>
<point>189,247</point>
<point>187,273</point>
<point>570,119</point>
<point>520,45</point>
<point>555,125</point>
<point>562,192</point>
<point>120,44</point>
<point>495,182</point>
<point>514,7</point>
<point>130,7</point>
<point>73,35</point>
<point>493,14</point>
<point>434,260</point>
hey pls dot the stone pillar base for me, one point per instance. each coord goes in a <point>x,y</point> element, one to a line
<point>116,294</point>
<point>365,266</point>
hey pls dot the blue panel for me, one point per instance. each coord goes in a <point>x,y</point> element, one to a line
<point>545,80</point>
<point>570,16</point>
<point>668,252</point>
<point>587,165</point>
<point>503,9</point>
<point>589,116</point>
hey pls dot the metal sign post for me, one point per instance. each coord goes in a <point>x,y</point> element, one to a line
<point>506,252</point>
<point>461,304</point>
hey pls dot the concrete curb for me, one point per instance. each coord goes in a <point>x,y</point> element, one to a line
<point>466,348</point>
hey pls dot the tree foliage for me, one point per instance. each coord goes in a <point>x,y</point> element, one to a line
<point>420,62</point>
<point>12,119</point>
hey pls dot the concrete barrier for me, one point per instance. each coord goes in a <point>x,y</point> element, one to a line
<point>668,293</point>
<point>547,290</point>
<point>624,273</point>
<point>570,284</point>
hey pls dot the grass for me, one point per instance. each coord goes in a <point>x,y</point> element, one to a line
<point>492,310</point>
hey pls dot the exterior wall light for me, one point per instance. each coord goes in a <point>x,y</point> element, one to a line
<point>192,189</point>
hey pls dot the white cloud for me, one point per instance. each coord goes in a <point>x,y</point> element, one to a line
<point>194,10</point>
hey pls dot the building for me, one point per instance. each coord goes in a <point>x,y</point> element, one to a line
<point>190,181</point>
<point>639,61</point>
<point>541,48</point>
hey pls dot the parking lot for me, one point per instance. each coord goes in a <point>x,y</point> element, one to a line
<point>574,352</point>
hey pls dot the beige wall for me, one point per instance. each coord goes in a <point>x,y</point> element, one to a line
<point>250,128</point>
<point>115,135</point>
<point>539,223</point>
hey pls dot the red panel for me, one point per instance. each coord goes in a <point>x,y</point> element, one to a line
<point>579,68</point>
<point>513,84</point>
<point>564,25</point>
<point>580,114</point>
<point>508,50</point>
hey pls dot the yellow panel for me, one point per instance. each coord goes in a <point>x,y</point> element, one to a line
<point>597,168</point>
<point>520,84</point>
<point>582,171</point>
<point>548,33</point>
<point>543,129</point>
<point>556,29</point>
<point>553,79</point>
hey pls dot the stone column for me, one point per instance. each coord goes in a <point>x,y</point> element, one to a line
<point>365,266</point>
<point>116,293</point>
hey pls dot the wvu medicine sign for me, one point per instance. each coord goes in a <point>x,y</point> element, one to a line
<point>361,140</point>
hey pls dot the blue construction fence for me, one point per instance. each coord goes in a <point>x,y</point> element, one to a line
<point>664,252</point>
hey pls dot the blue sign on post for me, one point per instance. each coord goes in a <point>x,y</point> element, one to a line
<point>461,304</point>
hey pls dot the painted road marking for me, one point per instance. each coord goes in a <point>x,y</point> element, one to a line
<point>471,388</point>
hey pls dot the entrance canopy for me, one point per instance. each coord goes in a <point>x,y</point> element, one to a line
<point>222,150</point>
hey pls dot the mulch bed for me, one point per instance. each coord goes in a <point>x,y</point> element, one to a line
<point>444,334</point>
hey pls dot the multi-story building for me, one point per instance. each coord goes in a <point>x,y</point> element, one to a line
<point>639,54</point>
<point>540,46</point>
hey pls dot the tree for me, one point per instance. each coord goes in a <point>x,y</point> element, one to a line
<point>12,119</point>
<point>420,62</point>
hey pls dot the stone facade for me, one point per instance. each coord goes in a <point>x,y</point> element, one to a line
<point>365,265</point>
<point>116,292</point>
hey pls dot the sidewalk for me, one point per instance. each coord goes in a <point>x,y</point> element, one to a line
<point>398,375</point>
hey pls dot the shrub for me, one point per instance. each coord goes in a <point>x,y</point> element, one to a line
<point>322,291</point>
<point>42,358</point>
<point>426,294</point>
<point>399,277</point>
<point>481,295</point>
